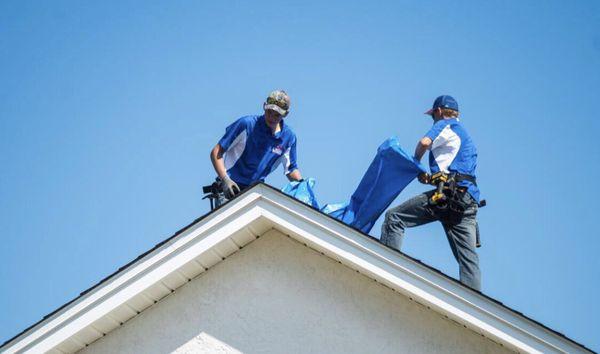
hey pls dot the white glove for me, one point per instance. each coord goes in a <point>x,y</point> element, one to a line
<point>230,188</point>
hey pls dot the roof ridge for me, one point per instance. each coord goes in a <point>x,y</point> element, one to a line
<point>179,232</point>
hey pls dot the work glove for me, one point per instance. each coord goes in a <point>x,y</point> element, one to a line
<point>230,188</point>
<point>424,178</point>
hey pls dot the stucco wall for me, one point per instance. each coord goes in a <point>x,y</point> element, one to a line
<point>278,296</point>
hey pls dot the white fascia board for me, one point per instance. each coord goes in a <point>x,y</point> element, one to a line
<point>320,232</point>
<point>415,280</point>
<point>139,276</point>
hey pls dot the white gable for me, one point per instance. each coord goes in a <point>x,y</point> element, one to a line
<point>238,223</point>
<point>278,296</point>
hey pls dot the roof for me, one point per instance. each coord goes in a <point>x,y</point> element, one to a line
<point>222,232</point>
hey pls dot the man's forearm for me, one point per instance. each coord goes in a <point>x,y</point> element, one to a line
<point>422,146</point>
<point>216,157</point>
<point>420,151</point>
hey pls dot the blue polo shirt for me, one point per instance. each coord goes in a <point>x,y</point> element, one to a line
<point>252,151</point>
<point>453,150</point>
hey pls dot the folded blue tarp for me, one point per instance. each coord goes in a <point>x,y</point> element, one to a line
<point>303,191</point>
<point>389,173</point>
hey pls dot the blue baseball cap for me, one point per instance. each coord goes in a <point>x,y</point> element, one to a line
<point>444,101</point>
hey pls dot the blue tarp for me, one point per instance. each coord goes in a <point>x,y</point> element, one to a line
<point>303,191</point>
<point>389,173</point>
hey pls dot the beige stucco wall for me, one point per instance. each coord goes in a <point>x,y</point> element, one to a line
<point>278,296</point>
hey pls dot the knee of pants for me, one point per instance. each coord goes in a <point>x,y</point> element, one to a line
<point>392,219</point>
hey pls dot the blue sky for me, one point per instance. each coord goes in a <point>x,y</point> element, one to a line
<point>108,111</point>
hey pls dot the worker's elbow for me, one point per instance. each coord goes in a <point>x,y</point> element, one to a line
<point>214,153</point>
<point>425,142</point>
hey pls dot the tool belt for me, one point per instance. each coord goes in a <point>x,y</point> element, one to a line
<point>448,196</point>
<point>448,199</point>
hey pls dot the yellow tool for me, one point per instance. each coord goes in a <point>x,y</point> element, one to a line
<point>439,179</point>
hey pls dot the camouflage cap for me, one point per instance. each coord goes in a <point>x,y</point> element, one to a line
<point>278,101</point>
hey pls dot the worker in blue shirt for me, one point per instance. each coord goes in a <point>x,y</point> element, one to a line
<point>452,161</point>
<point>253,146</point>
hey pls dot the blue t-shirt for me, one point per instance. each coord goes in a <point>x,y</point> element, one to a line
<point>453,150</point>
<point>252,151</point>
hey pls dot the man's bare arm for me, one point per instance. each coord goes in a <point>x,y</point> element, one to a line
<point>423,145</point>
<point>216,157</point>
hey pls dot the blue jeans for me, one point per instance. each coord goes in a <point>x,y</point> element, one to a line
<point>461,233</point>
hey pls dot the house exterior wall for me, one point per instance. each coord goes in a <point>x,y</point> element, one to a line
<point>278,296</point>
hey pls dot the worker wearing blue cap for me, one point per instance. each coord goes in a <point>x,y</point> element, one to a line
<point>452,161</point>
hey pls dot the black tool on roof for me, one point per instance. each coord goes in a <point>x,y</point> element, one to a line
<point>212,193</point>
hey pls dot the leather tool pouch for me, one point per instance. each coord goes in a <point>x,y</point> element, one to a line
<point>458,202</point>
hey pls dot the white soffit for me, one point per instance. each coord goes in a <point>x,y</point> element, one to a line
<point>219,234</point>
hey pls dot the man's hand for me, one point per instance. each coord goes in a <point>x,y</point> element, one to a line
<point>424,177</point>
<point>295,176</point>
<point>230,188</point>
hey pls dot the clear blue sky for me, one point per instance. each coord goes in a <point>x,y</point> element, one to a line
<point>108,111</point>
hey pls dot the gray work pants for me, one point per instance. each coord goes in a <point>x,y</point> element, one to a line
<point>461,233</point>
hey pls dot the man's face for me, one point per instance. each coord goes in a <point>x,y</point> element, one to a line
<point>436,114</point>
<point>272,117</point>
